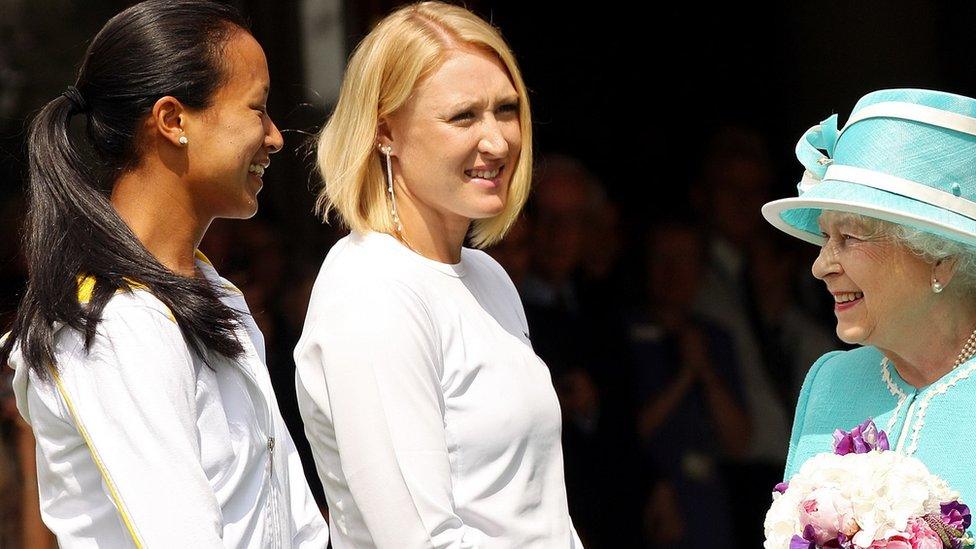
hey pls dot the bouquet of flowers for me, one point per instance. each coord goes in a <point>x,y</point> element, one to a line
<point>864,496</point>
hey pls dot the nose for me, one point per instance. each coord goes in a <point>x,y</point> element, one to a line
<point>493,143</point>
<point>826,263</point>
<point>272,138</point>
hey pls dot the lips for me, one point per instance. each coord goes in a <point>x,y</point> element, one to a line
<point>485,176</point>
<point>256,169</point>
<point>846,300</point>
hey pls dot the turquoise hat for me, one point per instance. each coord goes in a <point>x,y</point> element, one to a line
<point>904,156</point>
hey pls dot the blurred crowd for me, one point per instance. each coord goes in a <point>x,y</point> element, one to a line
<point>677,342</point>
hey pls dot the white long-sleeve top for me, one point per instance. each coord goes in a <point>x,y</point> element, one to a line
<point>188,455</point>
<point>432,421</point>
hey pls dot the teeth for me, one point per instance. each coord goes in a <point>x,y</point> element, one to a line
<point>256,169</point>
<point>847,296</point>
<point>483,174</point>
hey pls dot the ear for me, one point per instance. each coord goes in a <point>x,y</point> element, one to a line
<point>167,119</point>
<point>945,269</point>
<point>384,137</point>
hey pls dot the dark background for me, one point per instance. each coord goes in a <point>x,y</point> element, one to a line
<point>633,92</point>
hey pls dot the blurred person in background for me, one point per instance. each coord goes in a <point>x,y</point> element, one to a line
<point>139,368</point>
<point>792,339</point>
<point>432,420</point>
<point>514,252</point>
<point>692,417</point>
<point>736,178</point>
<point>573,310</point>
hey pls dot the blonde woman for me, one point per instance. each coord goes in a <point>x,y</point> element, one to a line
<point>432,421</point>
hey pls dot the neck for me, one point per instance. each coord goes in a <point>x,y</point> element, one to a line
<point>934,347</point>
<point>140,195</point>
<point>430,233</point>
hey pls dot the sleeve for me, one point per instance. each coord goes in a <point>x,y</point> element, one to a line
<point>380,358</point>
<point>801,411</point>
<point>310,529</point>
<point>133,398</point>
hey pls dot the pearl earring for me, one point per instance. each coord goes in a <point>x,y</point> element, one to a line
<point>387,151</point>
<point>937,286</point>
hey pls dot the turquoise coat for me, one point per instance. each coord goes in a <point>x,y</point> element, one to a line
<point>935,424</point>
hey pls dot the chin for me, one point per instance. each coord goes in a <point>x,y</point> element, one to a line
<point>245,210</point>
<point>489,208</point>
<point>852,335</point>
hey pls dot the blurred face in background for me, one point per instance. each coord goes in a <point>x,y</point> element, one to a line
<point>560,198</point>
<point>674,266</point>
<point>603,240</point>
<point>738,189</point>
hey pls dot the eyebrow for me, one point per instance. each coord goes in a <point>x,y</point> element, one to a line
<point>461,106</point>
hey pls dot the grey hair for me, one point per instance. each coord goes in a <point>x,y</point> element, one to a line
<point>931,248</point>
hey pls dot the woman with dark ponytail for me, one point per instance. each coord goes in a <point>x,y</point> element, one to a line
<point>138,367</point>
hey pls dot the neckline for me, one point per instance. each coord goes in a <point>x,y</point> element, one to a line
<point>456,270</point>
<point>908,388</point>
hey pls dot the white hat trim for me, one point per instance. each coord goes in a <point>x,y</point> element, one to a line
<point>772,211</point>
<point>916,113</point>
<point>896,185</point>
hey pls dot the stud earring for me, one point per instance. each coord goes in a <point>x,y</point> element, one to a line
<point>937,286</point>
<point>183,140</point>
<point>387,151</point>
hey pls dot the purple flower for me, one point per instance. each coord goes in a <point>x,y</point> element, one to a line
<point>956,515</point>
<point>861,440</point>
<point>883,441</point>
<point>781,487</point>
<point>799,543</point>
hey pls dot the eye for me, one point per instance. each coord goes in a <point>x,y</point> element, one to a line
<point>849,237</point>
<point>509,108</point>
<point>463,116</point>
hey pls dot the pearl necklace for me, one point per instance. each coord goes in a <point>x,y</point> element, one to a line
<point>967,352</point>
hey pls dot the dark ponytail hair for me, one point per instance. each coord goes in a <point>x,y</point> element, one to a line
<point>150,50</point>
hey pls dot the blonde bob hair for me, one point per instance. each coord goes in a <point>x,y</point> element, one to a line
<point>383,72</point>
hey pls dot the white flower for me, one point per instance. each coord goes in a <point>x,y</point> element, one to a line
<point>884,490</point>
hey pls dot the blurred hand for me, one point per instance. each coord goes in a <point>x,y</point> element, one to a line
<point>694,351</point>
<point>663,521</point>
<point>580,397</point>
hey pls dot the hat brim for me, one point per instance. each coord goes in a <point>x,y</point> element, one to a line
<point>799,216</point>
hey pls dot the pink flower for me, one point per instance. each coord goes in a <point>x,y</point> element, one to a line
<point>922,535</point>
<point>895,542</point>
<point>828,514</point>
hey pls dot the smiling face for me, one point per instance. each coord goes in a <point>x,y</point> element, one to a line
<point>881,289</point>
<point>229,143</point>
<point>456,141</point>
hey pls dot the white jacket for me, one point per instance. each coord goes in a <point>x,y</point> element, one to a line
<point>167,451</point>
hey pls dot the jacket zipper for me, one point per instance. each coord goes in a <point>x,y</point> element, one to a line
<point>272,497</point>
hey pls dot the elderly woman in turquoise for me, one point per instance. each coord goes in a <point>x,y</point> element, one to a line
<point>889,198</point>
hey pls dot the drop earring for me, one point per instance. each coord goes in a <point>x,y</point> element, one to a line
<point>937,286</point>
<point>387,151</point>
